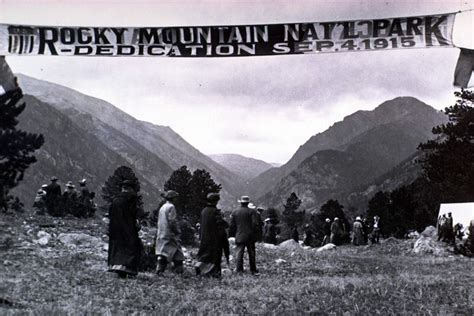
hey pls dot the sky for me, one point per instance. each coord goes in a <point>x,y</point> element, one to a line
<point>260,107</point>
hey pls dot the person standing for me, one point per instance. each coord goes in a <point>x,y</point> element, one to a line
<point>358,232</point>
<point>335,232</point>
<point>213,239</point>
<point>269,232</point>
<point>53,197</point>
<point>124,243</point>
<point>243,224</point>
<point>168,244</point>
<point>376,229</point>
<point>327,231</point>
<point>450,229</point>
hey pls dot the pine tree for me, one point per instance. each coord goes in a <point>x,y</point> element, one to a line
<point>16,146</point>
<point>448,161</point>
<point>179,181</point>
<point>200,186</point>
<point>113,184</point>
<point>291,216</point>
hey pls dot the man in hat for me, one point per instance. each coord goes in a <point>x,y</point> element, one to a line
<point>53,197</point>
<point>85,199</point>
<point>124,243</point>
<point>243,225</point>
<point>40,200</point>
<point>70,198</point>
<point>213,239</point>
<point>168,245</point>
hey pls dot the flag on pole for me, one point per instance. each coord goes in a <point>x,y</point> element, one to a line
<point>464,68</point>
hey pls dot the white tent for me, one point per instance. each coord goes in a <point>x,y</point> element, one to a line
<point>462,212</point>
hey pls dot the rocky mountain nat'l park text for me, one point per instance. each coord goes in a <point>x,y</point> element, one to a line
<point>221,41</point>
<point>292,181</point>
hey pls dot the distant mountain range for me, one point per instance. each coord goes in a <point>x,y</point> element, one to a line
<point>247,168</point>
<point>89,138</point>
<point>351,154</point>
<point>153,151</point>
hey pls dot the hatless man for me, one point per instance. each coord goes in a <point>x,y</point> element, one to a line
<point>243,225</point>
<point>168,245</point>
<point>327,231</point>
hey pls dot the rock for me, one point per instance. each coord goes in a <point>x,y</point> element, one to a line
<point>80,239</point>
<point>389,240</point>
<point>44,238</point>
<point>427,245</point>
<point>232,241</point>
<point>269,246</point>
<point>430,231</point>
<point>414,235</point>
<point>280,261</point>
<point>289,244</point>
<point>327,247</point>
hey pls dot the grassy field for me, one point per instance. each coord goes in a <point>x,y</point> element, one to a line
<point>381,279</point>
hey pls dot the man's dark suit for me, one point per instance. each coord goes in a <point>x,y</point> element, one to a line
<point>243,224</point>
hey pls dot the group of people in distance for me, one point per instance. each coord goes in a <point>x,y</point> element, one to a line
<point>50,199</point>
<point>446,231</point>
<point>362,232</point>
<point>124,242</point>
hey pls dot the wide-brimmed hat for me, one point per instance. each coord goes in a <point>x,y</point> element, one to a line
<point>336,218</point>
<point>252,206</point>
<point>44,186</point>
<point>260,208</point>
<point>213,197</point>
<point>40,191</point>
<point>83,181</point>
<point>53,178</point>
<point>244,199</point>
<point>69,184</point>
<point>169,194</point>
<point>358,218</point>
<point>328,220</point>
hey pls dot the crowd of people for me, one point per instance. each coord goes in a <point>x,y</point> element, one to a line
<point>245,225</point>
<point>50,199</point>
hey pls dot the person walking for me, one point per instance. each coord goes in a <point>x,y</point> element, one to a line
<point>213,239</point>
<point>124,243</point>
<point>168,244</point>
<point>243,225</point>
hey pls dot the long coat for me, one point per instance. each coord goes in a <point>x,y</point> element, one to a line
<point>358,231</point>
<point>124,243</point>
<point>168,236</point>
<point>213,239</point>
<point>243,224</point>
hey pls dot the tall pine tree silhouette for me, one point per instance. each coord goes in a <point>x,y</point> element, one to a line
<point>17,147</point>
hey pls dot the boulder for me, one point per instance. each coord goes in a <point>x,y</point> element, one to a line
<point>80,240</point>
<point>327,247</point>
<point>289,244</point>
<point>427,245</point>
<point>43,238</point>
<point>414,235</point>
<point>269,246</point>
<point>430,231</point>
